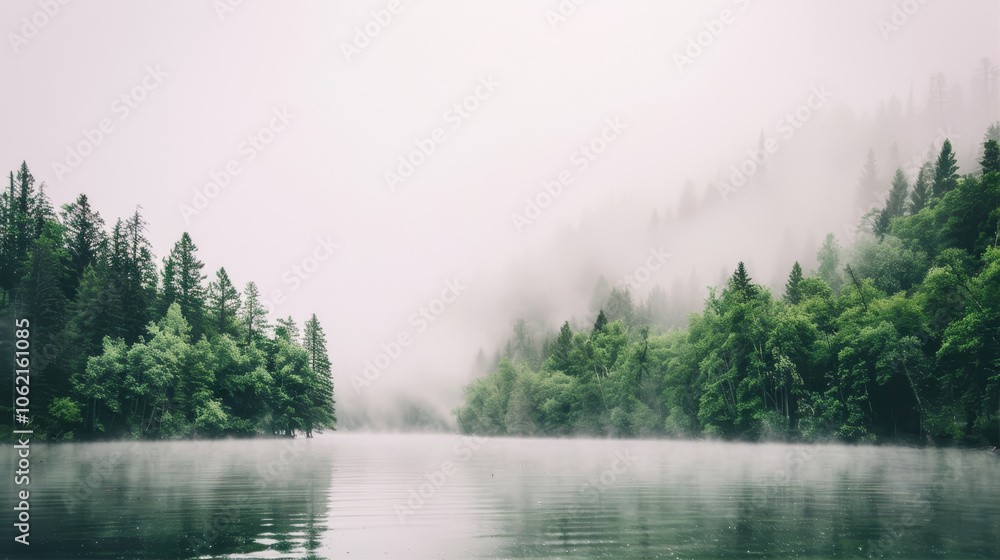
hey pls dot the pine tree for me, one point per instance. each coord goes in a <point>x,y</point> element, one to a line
<point>599,297</point>
<point>621,307</point>
<point>793,292</point>
<point>740,283</point>
<point>287,330</point>
<point>921,194</point>
<point>945,171</point>
<point>829,263</point>
<point>937,94</point>
<point>991,157</point>
<point>600,323</point>
<point>223,303</point>
<point>93,314</point>
<point>253,317</point>
<point>321,393</point>
<point>85,233</point>
<point>134,273</point>
<point>182,283</point>
<point>868,182</point>
<point>562,347</point>
<point>896,204</point>
<point>880,226</point>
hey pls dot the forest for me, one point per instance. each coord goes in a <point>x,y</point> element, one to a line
<point>892,339</point>
<point>122,347</point>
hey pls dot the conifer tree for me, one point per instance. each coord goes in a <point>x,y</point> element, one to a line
<point>84,234</point>
<point>991,157</point>
<point>921,194</point>
<point>829,263</point>
<point>868,181</point>
<point>223,303</point>
<point>793,292</point>
<point>945,171</point>
<point>182,282</point>
<point>253,316</point>
<point>896,204</point>
<point>323,413</point>
<point>600,323</point>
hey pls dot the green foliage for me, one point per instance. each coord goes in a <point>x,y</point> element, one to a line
<point>905,346</point>
<point>122,354</point>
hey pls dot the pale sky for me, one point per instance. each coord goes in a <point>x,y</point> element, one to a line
<point>204,80</point>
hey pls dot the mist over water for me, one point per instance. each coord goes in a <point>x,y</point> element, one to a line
<point>428,496</point>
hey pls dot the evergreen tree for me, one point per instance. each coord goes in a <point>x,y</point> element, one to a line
<point>85,234</point>
<point>134,273</point>
<point>321,393</point>
<point>94,313</point>
<point>829,263</point>
<point>868,181</point>
<point>287,330</point>
<point>921,194</point>
<point>740,283</point>
<point>599,297</point>
<point>945,171</point>
<point>223,304</point>
<point>896,204</point>
<point>621,307</point>
<point>880,225</point>
<point>253,316</point>
<point>600,323</point>
<point>182,282</point>
<point>991,157</point>
<point>562,347</point>
<point>793,292</point>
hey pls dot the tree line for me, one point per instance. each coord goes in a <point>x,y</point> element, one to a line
<point>124,347</point>
<point>901,342</point>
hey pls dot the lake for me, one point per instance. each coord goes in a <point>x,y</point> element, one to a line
<point>350,495</point>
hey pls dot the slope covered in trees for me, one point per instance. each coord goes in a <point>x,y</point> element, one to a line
<point>901,341</point>
<point>121,346</point>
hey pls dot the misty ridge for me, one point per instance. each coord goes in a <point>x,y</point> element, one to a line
<point>650,261</point>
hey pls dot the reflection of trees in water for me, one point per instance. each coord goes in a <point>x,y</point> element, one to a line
<point>747,516</point>
<point>183,500</point>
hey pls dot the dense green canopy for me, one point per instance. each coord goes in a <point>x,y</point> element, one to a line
<point>902,342</point>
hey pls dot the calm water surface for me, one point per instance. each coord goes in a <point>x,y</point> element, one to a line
<point>447,496</point>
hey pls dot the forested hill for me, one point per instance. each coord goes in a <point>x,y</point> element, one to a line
<point>901,342</point>
<point>122,347</point>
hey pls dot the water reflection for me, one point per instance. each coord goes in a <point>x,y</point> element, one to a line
<point>415,496</point>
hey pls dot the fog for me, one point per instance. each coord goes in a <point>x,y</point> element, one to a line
<point>821,83</point>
